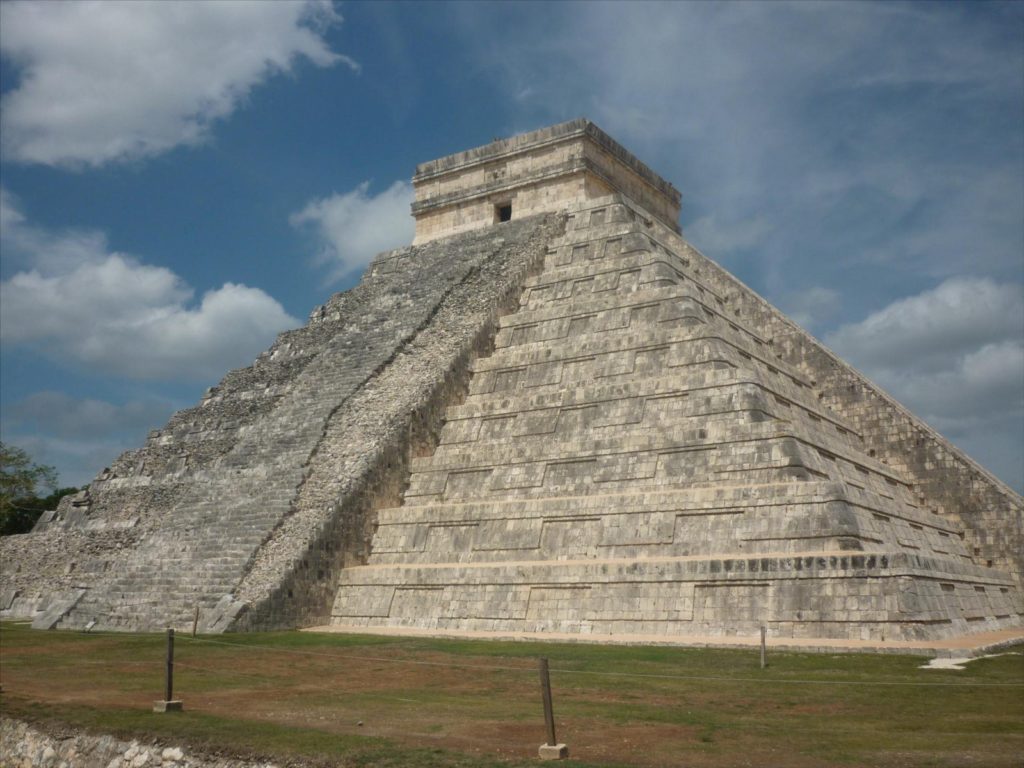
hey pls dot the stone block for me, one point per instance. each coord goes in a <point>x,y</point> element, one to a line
<point>553,752</point>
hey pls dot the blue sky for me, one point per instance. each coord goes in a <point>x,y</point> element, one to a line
<point>183,180</point>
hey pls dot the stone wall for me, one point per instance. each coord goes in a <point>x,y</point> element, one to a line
<point>464,215</point>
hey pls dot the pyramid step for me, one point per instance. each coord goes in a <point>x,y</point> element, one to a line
<point>680,500</point>
<point>598,258</point>
<point>670,595</point>
<point>672,346</point>
<point>728,439</point>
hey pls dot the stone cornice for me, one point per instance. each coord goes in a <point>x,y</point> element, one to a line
<point>529,142</point>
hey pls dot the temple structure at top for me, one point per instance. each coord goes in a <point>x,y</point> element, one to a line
<point>542,171</point>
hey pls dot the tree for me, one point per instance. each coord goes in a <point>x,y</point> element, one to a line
<point>26,511</point>
<point>20,478</point>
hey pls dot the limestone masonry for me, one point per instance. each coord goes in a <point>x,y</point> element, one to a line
<point>539,172</point>
<point>549,414</point>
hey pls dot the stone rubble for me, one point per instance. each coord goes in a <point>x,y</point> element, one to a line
<point>23,745</point>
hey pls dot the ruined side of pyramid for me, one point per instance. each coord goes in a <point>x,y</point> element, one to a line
<point>548,415</point>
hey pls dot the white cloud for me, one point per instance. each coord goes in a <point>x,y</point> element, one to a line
<point>722,238</point>
<point>937,327</point>
<point>955,356</point>
<point>62,416</point>
<point>860,131</point>
<point>79,436</point>
<point>811,306</point>
<point>110,313</point>
<point>10,216</point>
<point>31,247</point>
<point>352,228</point>
<point>111,81</point>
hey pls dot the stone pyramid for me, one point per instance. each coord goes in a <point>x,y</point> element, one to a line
<point>549,415</point>
<point>636,459</point>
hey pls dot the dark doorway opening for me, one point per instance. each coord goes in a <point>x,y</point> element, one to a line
<point>504,212</point>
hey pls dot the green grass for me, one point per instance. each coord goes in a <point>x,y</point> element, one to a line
<point>471,704</point>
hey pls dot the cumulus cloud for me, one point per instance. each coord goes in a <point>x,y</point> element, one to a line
<point>955,356</point>
<point>10,216</point>
<point>108,312</point>
<point>959,317</point>
<point>353,227</point>
<point>79,436</point>
<point>811,306</point>
<point>722,237</point>
<point>111,81</point>
<point>859,131</point>
<point>26,246</point>
<point>63,416</point>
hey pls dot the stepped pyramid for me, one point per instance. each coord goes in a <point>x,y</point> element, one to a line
<point>550,414</point>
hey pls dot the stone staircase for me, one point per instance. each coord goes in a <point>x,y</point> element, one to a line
<point>202,548</point>
<point>635,459</point>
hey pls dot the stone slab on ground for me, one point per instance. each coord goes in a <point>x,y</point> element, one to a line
<point>553,752</point>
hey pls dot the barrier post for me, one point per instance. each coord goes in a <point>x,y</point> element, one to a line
<point>552,750</point>
<point>169,704</point>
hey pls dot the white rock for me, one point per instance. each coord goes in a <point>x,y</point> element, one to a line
<point>173,754</point>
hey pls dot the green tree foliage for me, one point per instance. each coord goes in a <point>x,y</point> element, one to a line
<point>20,482</point>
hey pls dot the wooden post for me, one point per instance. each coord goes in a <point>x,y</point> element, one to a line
<point>545,692</point>
<point>169,704</point>
<point>552,750</point>
<point>764,634</point>
<point>170,666</point>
